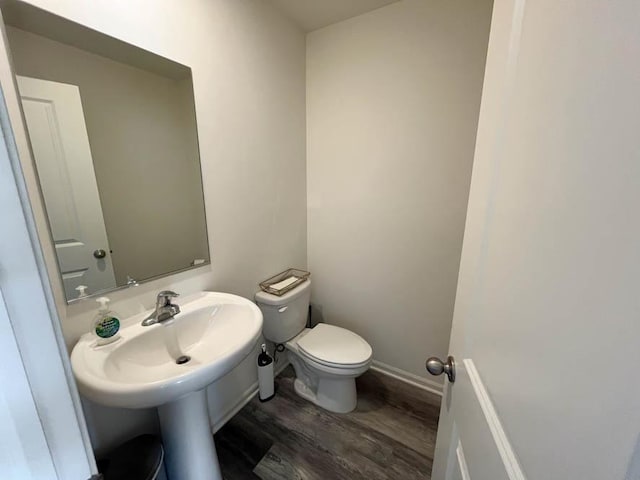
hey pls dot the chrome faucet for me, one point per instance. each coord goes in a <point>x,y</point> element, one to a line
<point>165,310</point>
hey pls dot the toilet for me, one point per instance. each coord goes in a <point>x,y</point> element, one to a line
<point>327,359</point>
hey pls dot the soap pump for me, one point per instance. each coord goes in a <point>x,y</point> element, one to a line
<point>82,291</point>
<point>106,323</point>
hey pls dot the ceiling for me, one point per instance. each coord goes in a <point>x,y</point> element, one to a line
<point>313,14</point>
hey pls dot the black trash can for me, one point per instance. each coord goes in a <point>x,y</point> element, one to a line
<point>138,459</point>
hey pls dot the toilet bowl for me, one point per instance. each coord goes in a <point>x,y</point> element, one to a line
<point>327,359</point>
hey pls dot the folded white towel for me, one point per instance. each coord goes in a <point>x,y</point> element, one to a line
<point>284,283</point>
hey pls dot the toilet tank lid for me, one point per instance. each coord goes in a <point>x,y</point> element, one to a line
<point>270,299</point>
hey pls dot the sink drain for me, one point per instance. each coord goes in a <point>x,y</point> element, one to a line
<point>183,359</point>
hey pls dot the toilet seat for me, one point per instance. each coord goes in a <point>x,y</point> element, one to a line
<point>335,347</point>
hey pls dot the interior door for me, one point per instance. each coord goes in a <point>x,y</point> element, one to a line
<point>24,453</point>
<point>58,134</point>
<point>546,331</point>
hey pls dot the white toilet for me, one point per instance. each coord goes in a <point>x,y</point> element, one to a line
<point>327,359</point>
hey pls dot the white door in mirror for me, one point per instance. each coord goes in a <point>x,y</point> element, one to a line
<point>58,134</point>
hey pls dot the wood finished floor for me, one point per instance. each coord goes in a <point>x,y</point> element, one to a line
<point>390,435</point>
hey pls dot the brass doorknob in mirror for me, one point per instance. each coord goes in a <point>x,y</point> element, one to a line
<point>100,253</point>
<point>436,367</point>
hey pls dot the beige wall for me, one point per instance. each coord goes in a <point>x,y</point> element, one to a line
<point>392,108</point>
<point>248,65</point>
<point>141,129</point>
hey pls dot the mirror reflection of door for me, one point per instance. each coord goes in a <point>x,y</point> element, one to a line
<point>55,121</point>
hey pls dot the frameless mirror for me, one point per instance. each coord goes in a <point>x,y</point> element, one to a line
<point>114,139</point>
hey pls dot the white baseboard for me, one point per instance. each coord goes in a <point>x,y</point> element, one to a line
<point>242,401</point>
<point>245,398</point>
<point>406,377</point>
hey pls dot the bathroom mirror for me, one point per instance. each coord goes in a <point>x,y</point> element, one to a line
<point>114,140</point>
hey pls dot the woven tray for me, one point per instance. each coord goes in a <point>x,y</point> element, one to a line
<point>271,286</point>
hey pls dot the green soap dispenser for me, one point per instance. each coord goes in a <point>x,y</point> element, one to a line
<point>106,323</point>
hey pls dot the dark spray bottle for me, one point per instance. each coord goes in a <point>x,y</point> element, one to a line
<point>265,375</point>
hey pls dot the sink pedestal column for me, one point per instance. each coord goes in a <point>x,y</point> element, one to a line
<point>190,453</point>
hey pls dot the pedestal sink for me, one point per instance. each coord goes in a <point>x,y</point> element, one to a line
<point>169,366</point>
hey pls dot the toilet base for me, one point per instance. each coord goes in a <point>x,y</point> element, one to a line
<point>332,392</point>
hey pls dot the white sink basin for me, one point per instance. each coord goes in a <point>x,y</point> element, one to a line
<point>216,330</point>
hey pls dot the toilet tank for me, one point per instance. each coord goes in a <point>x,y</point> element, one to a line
<point>284,316</point>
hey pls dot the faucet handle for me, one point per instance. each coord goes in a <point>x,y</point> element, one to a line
<point>165,296</point>
<point>168,293</point>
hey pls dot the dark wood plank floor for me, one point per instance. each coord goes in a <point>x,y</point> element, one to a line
<point>391,435</point>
